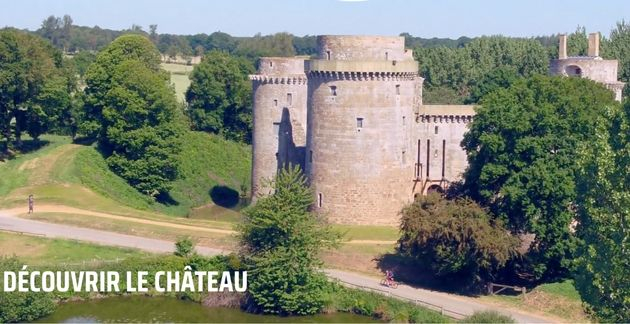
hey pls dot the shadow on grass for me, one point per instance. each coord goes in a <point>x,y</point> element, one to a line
<point>411,272</point>
<point>27,146</point>
<point>165,198</point>
<point>225,196</point>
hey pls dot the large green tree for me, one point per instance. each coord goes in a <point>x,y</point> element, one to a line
<point>455,239</point>
<point>281,243</point>
<point>603,223</point>
<point>219,98</point>
<point>35,86</point>
<point>132,112</point>
<point>521,150</point>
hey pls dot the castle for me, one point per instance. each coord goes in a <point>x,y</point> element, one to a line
<point>354,120</point>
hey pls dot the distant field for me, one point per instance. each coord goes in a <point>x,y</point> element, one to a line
<point>179,78</point>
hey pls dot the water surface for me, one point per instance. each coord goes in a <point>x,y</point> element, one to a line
<point>168,309</point>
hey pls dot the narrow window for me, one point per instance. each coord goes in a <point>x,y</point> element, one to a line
<point>328,55</point>
<point>398,89</point>
<point>403,120</point>
<point>270,64</point>
<point>404,160</point>
<point>333,90</point>
<point>320,200</point>
<point>418,161</point>
<point>359,122</point>
<point>443,156</point>
<point>436,130</point>
<point>289,99</point>
<point>310,156</point>
<point>276,129</point>
<point>428,155</point>
<point>275,102</point>
<point>386,56</point>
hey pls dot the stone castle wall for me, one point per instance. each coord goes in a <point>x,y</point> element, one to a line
<point>353,118</point>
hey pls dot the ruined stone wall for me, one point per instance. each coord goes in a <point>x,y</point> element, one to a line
<point>279,112</point>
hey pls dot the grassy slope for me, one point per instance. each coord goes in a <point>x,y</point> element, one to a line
<point>60,172</point>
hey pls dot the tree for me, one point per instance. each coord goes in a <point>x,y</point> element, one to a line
<point>456,239</point>
<point>522,165</point>
<point>219,96</point>
<point>281,243</point>
<point>34,84</point>
<point>618,47</point>
<point>500,78</point>
<point>132,112</point>
<point>577,42</point>
<point>603,271</point>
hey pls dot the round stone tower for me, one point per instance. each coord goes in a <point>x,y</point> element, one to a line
<point>279,110</point>
<point>361,97</point>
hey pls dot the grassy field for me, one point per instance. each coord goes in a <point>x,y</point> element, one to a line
<point>39,250</point>
<point>179,78</point>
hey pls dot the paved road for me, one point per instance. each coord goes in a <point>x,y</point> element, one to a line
<point>454,306</point>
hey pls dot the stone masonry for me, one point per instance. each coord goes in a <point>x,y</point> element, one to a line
<point>353,119</point>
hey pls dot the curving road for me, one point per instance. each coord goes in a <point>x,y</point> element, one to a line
<point>451,305</point>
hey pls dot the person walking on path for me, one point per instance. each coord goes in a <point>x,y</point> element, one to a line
<point>30,203</point>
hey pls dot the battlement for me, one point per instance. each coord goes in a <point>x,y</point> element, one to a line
<point>271,79</point>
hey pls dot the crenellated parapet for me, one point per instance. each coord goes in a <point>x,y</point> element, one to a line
<point>275,79</point>
<point>446,114</point>
<point>364,76</point>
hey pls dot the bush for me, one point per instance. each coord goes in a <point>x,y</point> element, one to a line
<point>184,247</point>
<point>454,238</point>
<point>488,317</point>
<point>22,306</point>
<point>378,306</point>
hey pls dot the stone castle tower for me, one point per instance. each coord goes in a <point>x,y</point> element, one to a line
<point>354,120</point>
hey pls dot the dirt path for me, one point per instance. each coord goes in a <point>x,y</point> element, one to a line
<point>41,167</point>
<point>61,209</point>
<point>76,211</point>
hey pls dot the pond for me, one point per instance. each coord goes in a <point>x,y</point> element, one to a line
<point>167,309</point>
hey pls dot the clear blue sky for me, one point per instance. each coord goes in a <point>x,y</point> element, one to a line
<point>425,18</point>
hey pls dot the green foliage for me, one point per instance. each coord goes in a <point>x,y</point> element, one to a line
<point>184,247</point>
<point>281,244</point>
<point>603,271</point>
<point>500,78</point>
<point>456,239</point>
<point>461,68</point>
<point>488,317</point>
<point>522,165</point>
<point>219,97</point>
<point>378,306</point>
<point>441,95</point>
<point>34,86</point>
<point>577,42</point>
<point>82,61</point>
<point>22,306</point>
<point>618,47</point>
<point>280,44</point>
<point>133,113</point>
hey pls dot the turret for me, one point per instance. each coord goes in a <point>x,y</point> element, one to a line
<point>279,111</point>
